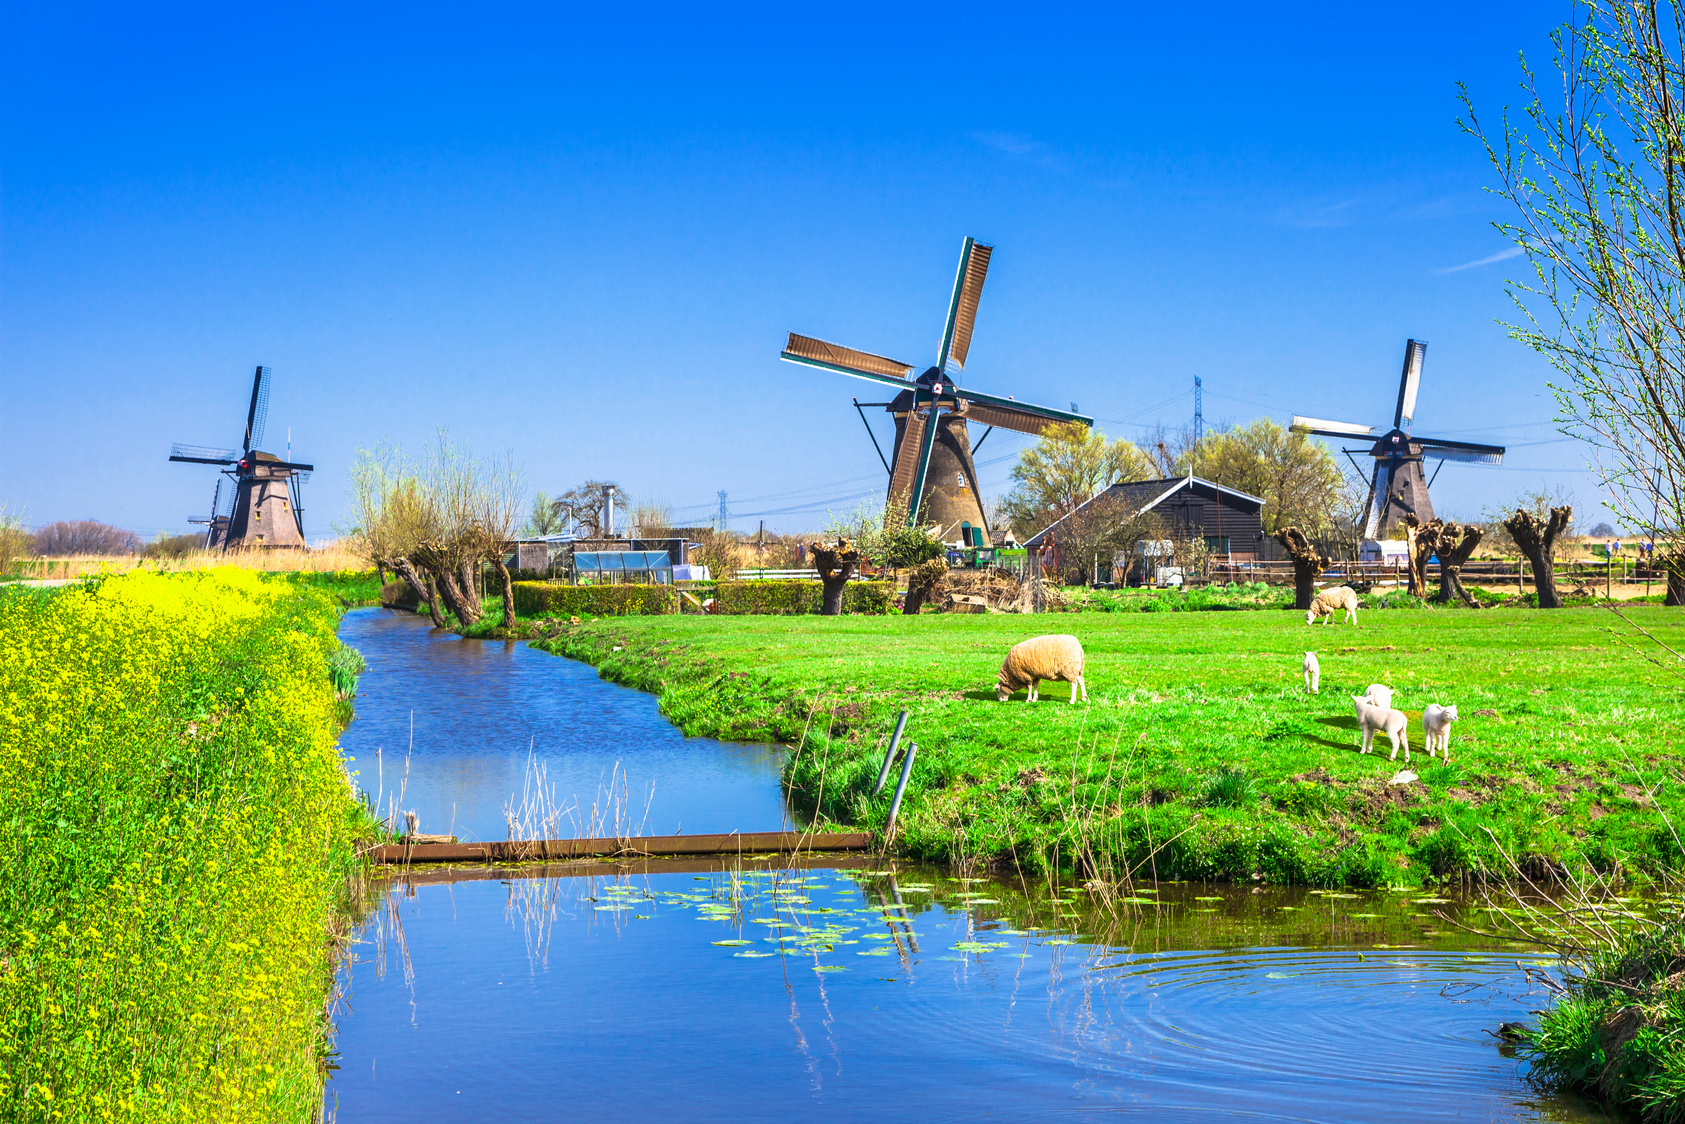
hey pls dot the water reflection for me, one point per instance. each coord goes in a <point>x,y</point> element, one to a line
<point>706,992</point>
<point>448,722</point>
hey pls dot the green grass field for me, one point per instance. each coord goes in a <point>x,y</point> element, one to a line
<point>1200,754</point>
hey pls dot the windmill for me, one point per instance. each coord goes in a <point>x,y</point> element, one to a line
<point>1399,487</point>
<point>258,505</point>
<point>932,475</point>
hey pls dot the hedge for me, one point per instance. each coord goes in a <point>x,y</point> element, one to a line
<point>783,598</point>
<point>536,598</point>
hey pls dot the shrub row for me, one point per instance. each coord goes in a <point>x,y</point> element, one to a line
<point>177,831</point>
<point>536,598</point>
<point>783,598</point>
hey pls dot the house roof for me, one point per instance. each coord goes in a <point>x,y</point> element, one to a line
<point>1145,495</point>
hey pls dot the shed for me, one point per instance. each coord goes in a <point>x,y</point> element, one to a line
<point>1230,521</point>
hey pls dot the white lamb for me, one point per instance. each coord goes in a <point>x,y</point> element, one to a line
<point>1436,728</point>
<point>1371,718</point>
<point>1055,658</point>
<point>1331,601</point>
<point>1313,674</point>
<point>1380,695</point>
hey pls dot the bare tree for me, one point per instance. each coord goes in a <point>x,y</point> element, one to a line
<point>435,524</point>
<point>1596,172</point>
<point>835,563</point>
<point>589,506</point>
<point>1456,544</point>
<point>1537,540</point>
<point>1307,564</point>
<point>83,536</point>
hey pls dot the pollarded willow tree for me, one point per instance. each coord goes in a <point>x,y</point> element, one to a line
<point>435,523</point>
<point>1596,173</point>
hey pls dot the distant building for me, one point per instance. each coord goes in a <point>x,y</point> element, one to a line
<point>1229,521</point>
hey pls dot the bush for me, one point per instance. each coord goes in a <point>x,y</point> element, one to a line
<point>177,831</point>
<point>534,599</point>
<point>786,598</point>
<point>173,546</point>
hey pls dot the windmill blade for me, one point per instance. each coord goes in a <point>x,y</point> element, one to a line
<point>257,416</point>
<point>200,454</point>
<point>1321,428</point>
<point>1409,382</point>
<point>1014,414</point>
<point>908,460</point>
<point>1379,484</point>
<point>845,360</point>
<point>1019,421</point>
<point>962,309</point>
<point>1460,452</point>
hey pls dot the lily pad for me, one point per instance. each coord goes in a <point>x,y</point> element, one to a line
<point>730,944</point>
<point>753,955</point>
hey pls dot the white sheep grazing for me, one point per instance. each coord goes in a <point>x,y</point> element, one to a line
<point>1313,674</point>
<point>1056,658</point>
<point>1371,718</point>
<point>1380,695</point>
<point>1436,728</point>
<point>1331,601</point>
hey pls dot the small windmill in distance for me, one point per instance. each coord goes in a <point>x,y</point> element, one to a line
<point>262,504</point>
<point>1398,486</point>
<point>932,474</point>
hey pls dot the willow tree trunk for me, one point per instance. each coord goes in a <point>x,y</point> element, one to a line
<point>468,574</point>
<point>1455,545</point>
<point>450,590</point>
<point>835,565</point>
<point>924,580</point>
<point>1675,567</point>
<point>1538,542</point>
<point>423,590</point>
<point>1307,564</point>
<point>508,591</point>
<point>1420,544</point>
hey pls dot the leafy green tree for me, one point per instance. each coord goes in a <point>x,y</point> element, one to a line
<point>1298,478</point>
<point>544,519</point>
<point>1069,465</point>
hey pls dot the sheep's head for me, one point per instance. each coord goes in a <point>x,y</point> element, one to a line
<point>1449,713</point>
<point>1310,615</point>
<point>1002,691</point>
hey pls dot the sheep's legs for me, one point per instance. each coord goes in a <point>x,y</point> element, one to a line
<point>1368,741</point>
<point>1078,685</point>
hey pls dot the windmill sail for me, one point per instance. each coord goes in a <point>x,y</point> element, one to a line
<point>908,460</point>
<point>1322,428</point>
<point>1409,382</point>
<point>1378,486</point>
<point>257,415</point>
<point>1460,452</point>
<point>845,360</point>
<point>202,454</point>
<point>962,309</point>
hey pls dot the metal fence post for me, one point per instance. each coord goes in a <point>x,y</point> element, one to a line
<point>889,758</point>
<point>901,787</point>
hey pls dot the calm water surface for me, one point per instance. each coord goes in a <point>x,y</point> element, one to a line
<point>687,991</point>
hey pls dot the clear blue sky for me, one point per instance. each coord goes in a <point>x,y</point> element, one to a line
<point>580,235</point>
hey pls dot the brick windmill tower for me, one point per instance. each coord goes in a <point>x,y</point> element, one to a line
<point>258,505</point>
<point>932,473</point>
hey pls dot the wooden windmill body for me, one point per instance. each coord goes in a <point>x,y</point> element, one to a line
<point>932,470</point>
<point>258,506</point>
<point>1398,485</point>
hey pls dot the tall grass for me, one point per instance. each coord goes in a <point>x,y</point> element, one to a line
<point>330,556</point>
<point>176,831</point>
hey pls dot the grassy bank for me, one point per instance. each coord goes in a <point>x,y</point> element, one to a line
<point>1201,755</point>
<point>177,832</point>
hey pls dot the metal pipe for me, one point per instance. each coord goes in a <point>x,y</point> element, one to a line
<point>901,787</point>
<point>889,758</point>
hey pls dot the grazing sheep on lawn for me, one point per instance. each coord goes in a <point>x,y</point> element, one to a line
<point>1313,674</point>
<point>1371,718</point>
<point>1331,601</point>
<point>1436,728</point>
<point>1378,694</point>
<point>1057,658</point>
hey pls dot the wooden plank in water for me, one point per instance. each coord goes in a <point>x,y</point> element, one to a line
<point>754,842</point>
